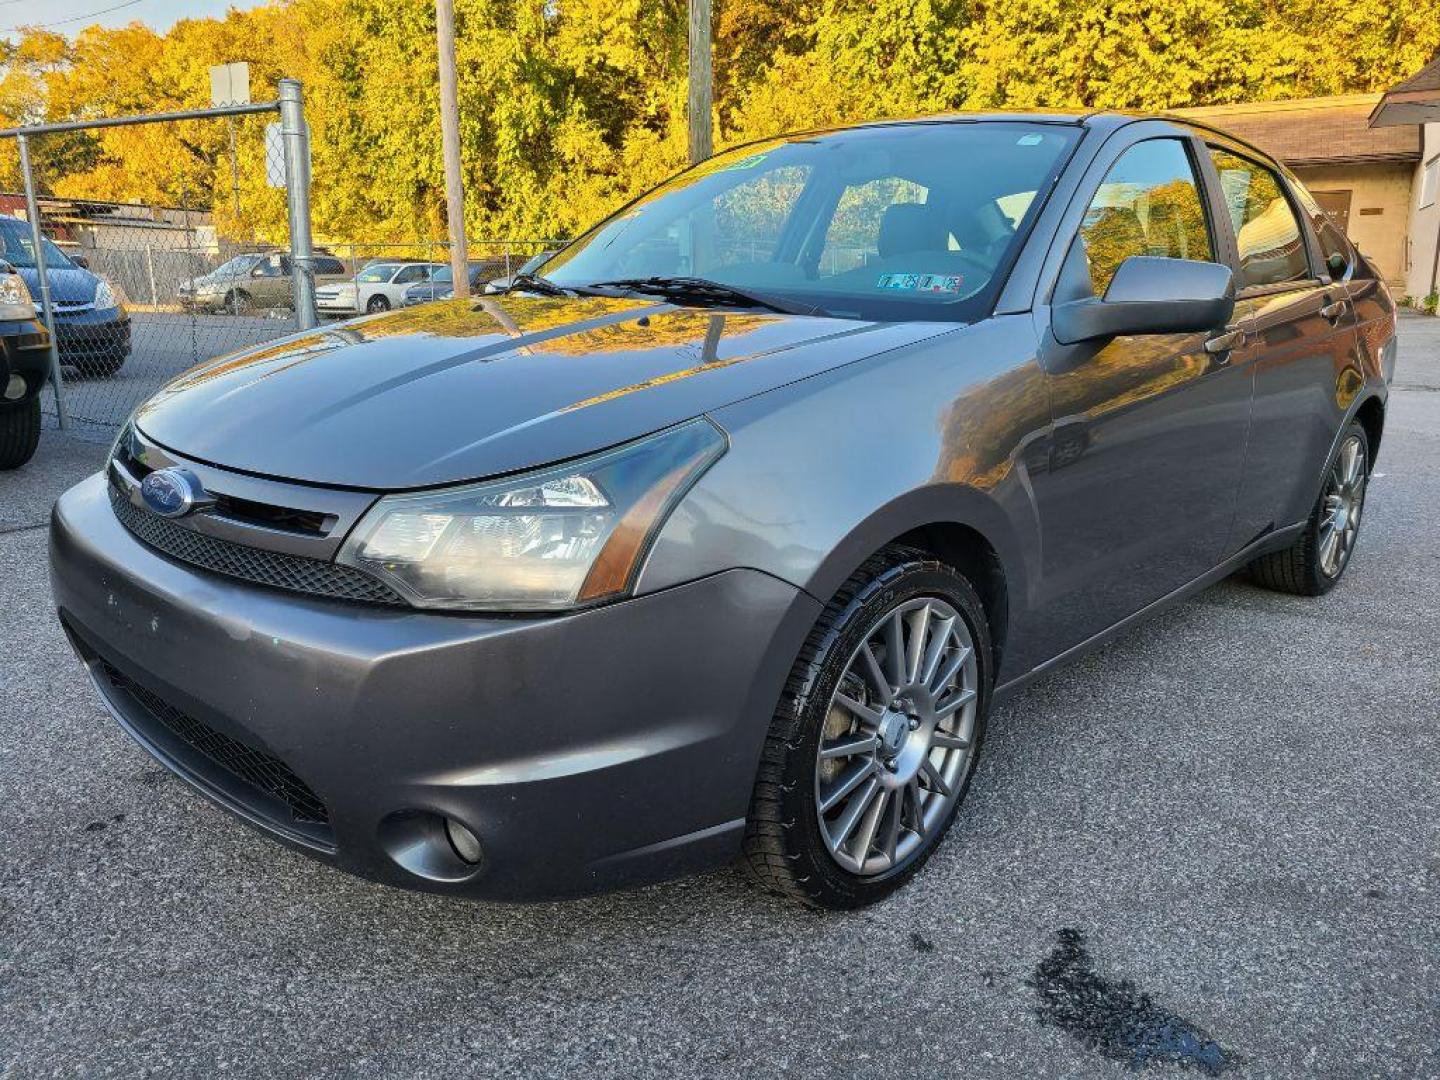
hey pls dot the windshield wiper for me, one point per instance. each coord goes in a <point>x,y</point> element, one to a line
<point>537,284</point>
<point>696,290</point>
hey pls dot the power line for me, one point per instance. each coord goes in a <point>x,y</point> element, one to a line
<point>71,19</point>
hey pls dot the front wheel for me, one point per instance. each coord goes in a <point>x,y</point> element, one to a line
<point>377,304</point>
<point>19,433</point>
<point>1313,565</point>
<point>238,302</point>
<point>876,735</point>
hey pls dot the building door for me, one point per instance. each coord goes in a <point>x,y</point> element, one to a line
<point>1337,205</point>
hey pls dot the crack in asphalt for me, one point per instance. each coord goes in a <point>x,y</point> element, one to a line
<point>8,529</point>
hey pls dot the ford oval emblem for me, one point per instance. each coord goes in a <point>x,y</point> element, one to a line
<point>173,493</point>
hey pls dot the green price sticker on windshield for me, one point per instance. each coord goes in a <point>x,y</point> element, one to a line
<point>744,163</point>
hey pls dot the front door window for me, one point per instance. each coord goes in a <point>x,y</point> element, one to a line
<point>1148,204</point>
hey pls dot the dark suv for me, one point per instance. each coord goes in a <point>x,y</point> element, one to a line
<point>24,363</point>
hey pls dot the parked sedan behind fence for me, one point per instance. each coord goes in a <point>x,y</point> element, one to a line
<point>92,327</point>
<point>438,287</point>
<point>253,281</point>
<point>381,286</point>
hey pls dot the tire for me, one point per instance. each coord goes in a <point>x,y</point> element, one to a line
<point>377,304</point>
<point>19,433</point>
<point>237,302</point>
<point>789,837</point>
<point>1306,567</point>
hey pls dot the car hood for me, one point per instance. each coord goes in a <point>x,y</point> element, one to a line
<point>462,390</point>
<point>68,284</point>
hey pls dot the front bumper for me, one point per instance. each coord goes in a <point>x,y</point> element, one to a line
<point>205,302</point>
<point>24,351</point>
<point>589,751</point>
<point>92,334</point>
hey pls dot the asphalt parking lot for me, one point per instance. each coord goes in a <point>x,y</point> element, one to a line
<point>1222,830</point>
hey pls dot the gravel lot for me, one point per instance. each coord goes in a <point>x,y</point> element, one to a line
<point>1233,813</point>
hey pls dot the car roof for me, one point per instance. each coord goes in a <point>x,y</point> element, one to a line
<point>1104,120</point>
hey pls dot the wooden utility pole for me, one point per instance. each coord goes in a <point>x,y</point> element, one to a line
<point>450,142</point>
<point>701,89</point>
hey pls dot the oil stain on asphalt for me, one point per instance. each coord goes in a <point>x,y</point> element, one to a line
<point>1116,1018</point>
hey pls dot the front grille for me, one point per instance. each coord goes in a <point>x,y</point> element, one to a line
<point>261,771</point>
<point>273,568</point>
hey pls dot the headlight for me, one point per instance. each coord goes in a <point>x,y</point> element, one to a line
<point>107,296</point>
<point>15,298</point>
<point>560,537</point>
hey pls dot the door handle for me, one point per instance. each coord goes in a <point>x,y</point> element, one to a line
<point>1334,311</point>
<point>1224,343</point>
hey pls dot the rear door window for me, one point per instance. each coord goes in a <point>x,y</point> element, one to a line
<point>1267,231</point>
<point>1335,249</point>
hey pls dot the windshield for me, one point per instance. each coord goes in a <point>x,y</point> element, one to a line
<point>236,267</point>
<point>19,250</point>
<point>901,221</point>
<point>378,272</point>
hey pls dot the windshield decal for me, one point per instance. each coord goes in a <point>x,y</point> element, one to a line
<point>926,283</point>
<point>744,163</point>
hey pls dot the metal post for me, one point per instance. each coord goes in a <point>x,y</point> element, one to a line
<point>701,89</point>
<point>150,273</point>
<point>47,311</point>
<point>234,171</point>
<point>450,148</point>
<point>296,139</point>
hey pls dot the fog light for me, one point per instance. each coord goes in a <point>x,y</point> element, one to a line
<point>14,388</point>
<point>432,846</point>
<point>465,842</point>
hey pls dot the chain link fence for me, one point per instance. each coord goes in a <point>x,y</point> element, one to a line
<point>141,289</point>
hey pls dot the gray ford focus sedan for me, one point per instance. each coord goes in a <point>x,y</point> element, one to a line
<point>722,537</point>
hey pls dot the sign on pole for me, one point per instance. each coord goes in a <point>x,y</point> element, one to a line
<point>230,84</point>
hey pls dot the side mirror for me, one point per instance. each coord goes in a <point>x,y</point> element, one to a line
<point>80,261</point>
<point>1150,295</point>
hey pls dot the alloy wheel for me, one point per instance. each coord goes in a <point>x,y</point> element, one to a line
<point>898,737</point>
<point>1342,506</point>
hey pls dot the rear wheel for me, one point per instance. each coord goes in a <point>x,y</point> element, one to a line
<point>19,433</point>
<point>1314,564</point>
<point>876,735</point>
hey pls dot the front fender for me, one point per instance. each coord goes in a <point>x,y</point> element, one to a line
<point>825,471</point>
